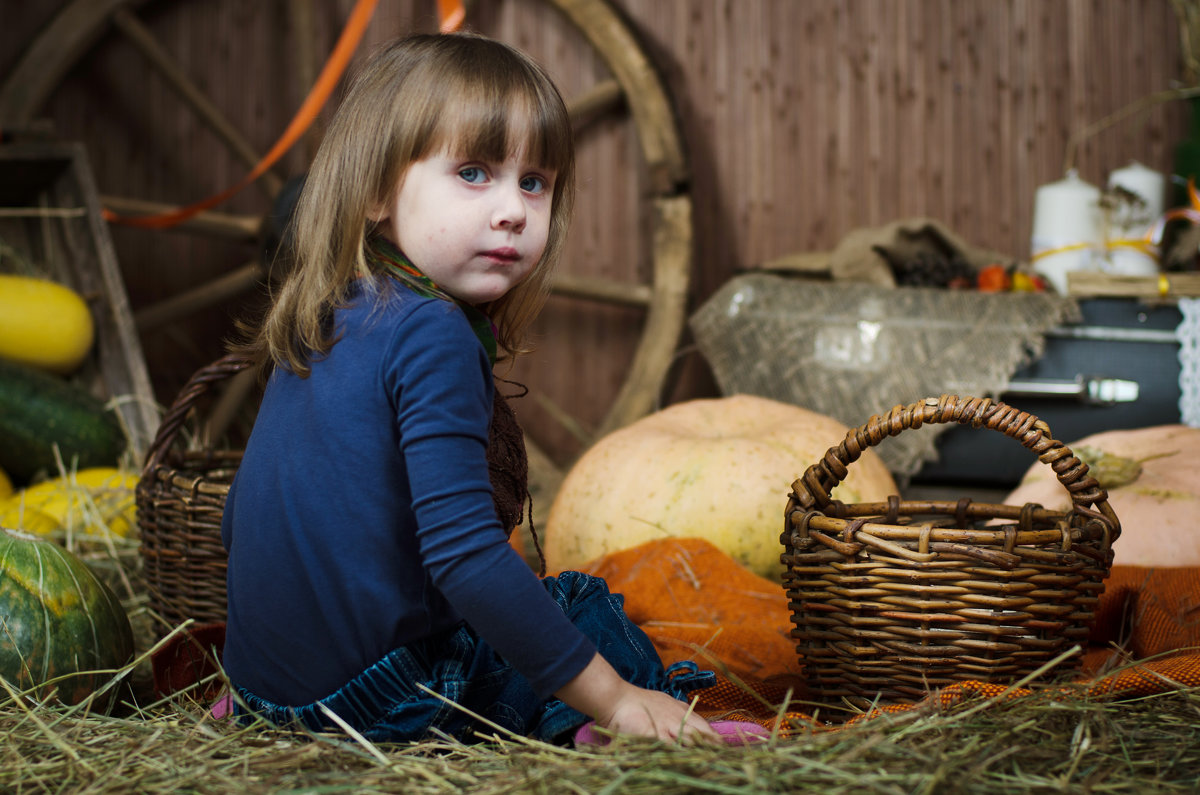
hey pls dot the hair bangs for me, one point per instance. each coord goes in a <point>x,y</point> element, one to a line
<point>502,117</point>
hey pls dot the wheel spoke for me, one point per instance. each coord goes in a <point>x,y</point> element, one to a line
<point>143,39</point>
<point>242,227</point>
<point>303,44</point>
<point>72,31</point>
<point>636,295</point>
<point>223,288</point>
<point>225,409</point>
<point>597,101</point>
<point>569,423</point>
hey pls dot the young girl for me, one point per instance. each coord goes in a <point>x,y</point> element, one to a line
<point>370,580</point>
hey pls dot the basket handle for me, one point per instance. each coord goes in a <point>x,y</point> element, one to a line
<point>1089,501</point>
<point>200,382</point>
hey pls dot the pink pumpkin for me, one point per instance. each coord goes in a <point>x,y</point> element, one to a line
<point>1153,480</point>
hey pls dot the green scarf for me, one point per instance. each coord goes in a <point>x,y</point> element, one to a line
<point>383,256</point>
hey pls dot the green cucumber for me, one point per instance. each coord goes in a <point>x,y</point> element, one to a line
<point>38,411</point>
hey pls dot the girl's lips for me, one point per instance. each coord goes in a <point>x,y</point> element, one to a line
<point>503,254</point>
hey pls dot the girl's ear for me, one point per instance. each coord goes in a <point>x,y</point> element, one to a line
<point>378,212</point>
<point>380,209</point>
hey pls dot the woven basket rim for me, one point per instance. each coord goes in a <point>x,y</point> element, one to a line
<point>1024,525</point>
<point>1089,501</point>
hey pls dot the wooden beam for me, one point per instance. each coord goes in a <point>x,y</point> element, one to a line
<point>1093,284</point>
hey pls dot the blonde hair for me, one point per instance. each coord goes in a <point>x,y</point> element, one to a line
<point>413,98</point>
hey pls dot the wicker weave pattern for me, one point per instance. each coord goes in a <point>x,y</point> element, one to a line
<point>890,600</point>
<point>180,500</point>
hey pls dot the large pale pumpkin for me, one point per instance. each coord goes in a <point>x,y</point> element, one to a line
<point>718,469</point>
<point>61,625</point>
<point>1152,476</point>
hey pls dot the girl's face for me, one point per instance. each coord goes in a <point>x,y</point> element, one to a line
<point>476,228</point>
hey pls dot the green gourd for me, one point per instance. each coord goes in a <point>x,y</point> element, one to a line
<point>38,411</point>
<point>61,627</point>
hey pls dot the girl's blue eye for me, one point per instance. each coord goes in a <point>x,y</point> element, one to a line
<point>472,174</point>
<point>533,184</point>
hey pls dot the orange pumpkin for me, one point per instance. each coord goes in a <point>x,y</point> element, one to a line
<point>1152,476</point>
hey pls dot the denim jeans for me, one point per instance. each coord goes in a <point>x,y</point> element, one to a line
<point>385,704</point>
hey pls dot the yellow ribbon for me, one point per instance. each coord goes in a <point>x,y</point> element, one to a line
<point>1138,244</point>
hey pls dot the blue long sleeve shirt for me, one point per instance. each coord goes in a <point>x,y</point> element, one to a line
<point>361,517</point>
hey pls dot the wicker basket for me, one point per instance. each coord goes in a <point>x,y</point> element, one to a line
<point>891,600</point>
<point>180,500</point>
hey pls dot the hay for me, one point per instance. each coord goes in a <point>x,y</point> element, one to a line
<point>1055,740</point>
<point>1031,744</point>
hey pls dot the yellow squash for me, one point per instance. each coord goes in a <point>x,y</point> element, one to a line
<point>15,516</point>
<point>93,501</point>
<point>44,324</point>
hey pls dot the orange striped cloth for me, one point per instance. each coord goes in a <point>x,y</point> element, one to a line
<point>695,602</point>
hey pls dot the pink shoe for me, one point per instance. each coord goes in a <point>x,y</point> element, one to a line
<point>587,735</point>
<point>740,732</point>
<point>222,708</point>
<point>733,732</point>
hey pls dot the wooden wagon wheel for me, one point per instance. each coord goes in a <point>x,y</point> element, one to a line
<point>635,84</point>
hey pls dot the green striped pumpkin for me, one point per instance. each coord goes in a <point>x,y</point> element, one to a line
<point>56,620</point>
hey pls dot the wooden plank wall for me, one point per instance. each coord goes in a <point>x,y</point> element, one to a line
<point>804,119</point>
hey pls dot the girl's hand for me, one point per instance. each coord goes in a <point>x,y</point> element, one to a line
<point>623,708</point>
<point>649,713</point>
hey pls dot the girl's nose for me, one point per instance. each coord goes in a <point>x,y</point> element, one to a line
<point>510,209</point>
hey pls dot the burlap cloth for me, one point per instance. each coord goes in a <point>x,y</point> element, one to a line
<point>860,255</point>
<point>851,350</point>
<point>695,602</point>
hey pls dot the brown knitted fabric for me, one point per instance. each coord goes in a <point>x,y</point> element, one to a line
<point>508,470</point>
<point>508,467</point>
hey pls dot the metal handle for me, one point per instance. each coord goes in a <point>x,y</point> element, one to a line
<point>1091,389</point>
